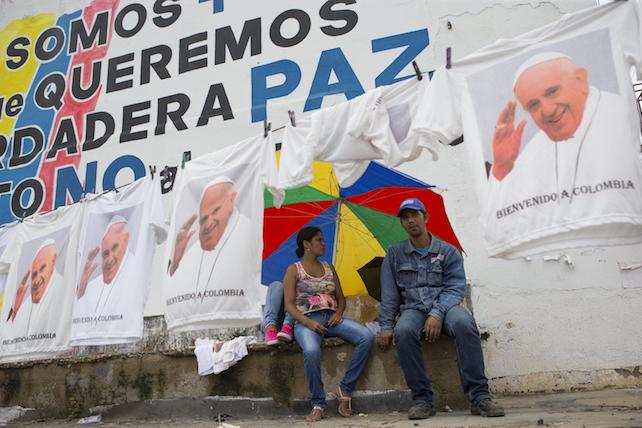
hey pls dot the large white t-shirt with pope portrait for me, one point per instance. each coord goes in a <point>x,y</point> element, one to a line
<point>552,132</point>
<point>117,244</point>
<point>41,264</point>
<point>213,275</point>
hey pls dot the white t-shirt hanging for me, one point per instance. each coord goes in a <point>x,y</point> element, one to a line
<point>552,132</point>
<point>41,265</point>
<point>117,244</point>
<point>373,126</point>
<point>216,238</point>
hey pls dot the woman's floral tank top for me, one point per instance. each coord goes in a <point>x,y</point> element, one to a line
<point>314,293</point>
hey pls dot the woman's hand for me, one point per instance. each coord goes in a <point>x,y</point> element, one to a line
<point>315,326</point>
<point>336,318</point>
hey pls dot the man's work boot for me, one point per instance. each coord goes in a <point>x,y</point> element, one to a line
<point>487,408</point>
<point>421,411</point>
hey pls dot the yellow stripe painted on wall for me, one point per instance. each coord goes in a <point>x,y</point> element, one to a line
<point>19,81</point>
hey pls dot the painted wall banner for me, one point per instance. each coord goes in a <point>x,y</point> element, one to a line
<point>92,94</point>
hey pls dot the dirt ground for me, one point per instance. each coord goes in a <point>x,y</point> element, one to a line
<point>608,408</point>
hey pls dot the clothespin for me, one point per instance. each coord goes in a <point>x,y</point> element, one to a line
<point>168,178</point>
<point>449,52</point>
<point>457,141</point>
<point>292,118</point>
<point>187,156</point>
<point>417,70</point>
<point>267,126</point>
<point>152,170</point>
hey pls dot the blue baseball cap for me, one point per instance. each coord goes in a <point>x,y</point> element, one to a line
<point>411,204</point>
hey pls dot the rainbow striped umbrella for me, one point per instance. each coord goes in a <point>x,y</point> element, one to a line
<point>358,222</point>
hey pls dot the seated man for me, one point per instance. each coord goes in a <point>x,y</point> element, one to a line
<point>423,278</point>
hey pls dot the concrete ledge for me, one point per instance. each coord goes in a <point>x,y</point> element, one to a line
<point>71,387</point>
<point>210,408</point>
<point>568,381</point>
<point>16,414</point>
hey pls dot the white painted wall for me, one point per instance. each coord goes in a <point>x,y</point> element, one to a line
<point>542,316</point>
<point>475,23</point>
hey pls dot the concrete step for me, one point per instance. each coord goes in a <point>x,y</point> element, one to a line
<point>70,387</point>
<point>211,408</point>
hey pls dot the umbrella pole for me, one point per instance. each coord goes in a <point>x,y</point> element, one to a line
<point>336,233</point>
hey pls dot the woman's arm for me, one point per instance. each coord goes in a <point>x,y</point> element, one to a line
<point>289,285</point>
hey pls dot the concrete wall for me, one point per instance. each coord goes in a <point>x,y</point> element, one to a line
<point>547,321</point>
<point>557,324</point>
<point>473,24</point>
<point>561,323</point>
<point>70,388</point>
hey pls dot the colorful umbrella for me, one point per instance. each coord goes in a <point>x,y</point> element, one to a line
<point>358,222</point>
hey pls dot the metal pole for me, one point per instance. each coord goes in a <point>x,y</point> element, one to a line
<point>336,232</point>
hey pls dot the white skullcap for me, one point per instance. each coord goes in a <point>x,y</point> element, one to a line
<point>116,219</point>
<point>47,242</point>
<point>536,59</point>
<point>217,180</point>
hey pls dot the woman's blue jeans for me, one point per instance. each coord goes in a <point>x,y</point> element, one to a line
<point>310,342</point>
<point>274,312</point>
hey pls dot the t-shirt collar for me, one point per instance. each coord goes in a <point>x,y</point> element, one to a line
<point>433,249</point>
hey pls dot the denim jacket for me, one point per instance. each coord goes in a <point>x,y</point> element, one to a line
<point>432,283</point>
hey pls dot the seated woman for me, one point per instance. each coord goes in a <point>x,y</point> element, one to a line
<point>274,316</point>
<point>314,298</point>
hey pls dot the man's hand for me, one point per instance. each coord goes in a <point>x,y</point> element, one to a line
<point>506,141</point>
<point>336,319</point>
<point>88,270</point>
<point>432,329</point>
<point>384,340</point>
<point>20,295</point>
<point>182,239</point>
<point>316,327</point>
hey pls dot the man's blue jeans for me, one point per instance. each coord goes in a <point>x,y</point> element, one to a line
<point>310,342</point>
<point>458,324</point>
<point>274,312</point>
